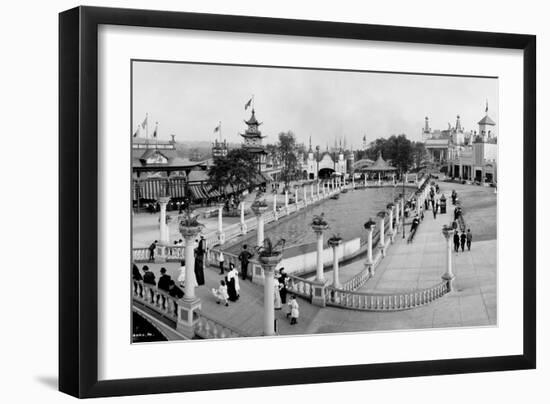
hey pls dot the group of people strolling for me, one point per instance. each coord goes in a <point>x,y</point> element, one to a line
<point>462,239</point>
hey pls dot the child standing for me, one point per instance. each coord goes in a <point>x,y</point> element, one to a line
<point>221,293</point>
<point>294,310</point>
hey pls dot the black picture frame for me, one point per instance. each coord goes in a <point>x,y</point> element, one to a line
<point>78,207</point>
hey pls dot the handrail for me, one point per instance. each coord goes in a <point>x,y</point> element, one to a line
<point>157,300</point>
<point>372,301</point>
<point>208,327</point>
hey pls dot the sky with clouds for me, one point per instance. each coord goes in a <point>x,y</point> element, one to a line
<point>188,100</point>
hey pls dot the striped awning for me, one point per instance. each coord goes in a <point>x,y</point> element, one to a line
<point>198,191</point>
<point>150,188</point>
<point>177,187</point>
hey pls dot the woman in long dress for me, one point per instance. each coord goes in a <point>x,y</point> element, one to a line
<point>233,286</point>
<point>199,272</point>
<point>282,285</point>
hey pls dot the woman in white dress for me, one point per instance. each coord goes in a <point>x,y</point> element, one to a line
<point>181,276</point>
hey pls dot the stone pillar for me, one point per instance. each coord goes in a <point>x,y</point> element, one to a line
<point>296,196</point>
<point>305,195</point>
<point>164,238</point>
<point>318,190</point>
<point>312,192</point>
<point>448,276</point>
<point>406,178</point>
<point>220,233</point>
<point>243,223</point>
<point>190,304</point>
<point>320,275</point>
<point>286,200</point>
<point>365,180</point>
<point>379,183</point>
<point>370,226</point>
<point>269,264</point>
<point>275,206</point>
<point>335,244</point>
<point>382,242</point>
<point>318,295</point>
<point>259,211</point>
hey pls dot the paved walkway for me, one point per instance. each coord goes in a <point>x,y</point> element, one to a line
<point>407,266</point>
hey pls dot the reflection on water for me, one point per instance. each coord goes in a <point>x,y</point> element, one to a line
<point>345,216</point>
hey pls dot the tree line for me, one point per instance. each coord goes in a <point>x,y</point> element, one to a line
<point>239,169</point>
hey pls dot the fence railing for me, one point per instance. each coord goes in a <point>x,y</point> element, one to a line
<point>357,281</point>
<point>159,301</point>
<point>208,328</point>
<point>300,286</point>
<point>384,302</point>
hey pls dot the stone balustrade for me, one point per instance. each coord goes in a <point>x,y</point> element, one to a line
<point>357,281</point>
<point>157,300</point>
<point>140,254</point>
<point>208,328</point>
<point>300,286</point>
<point>385,302</point>
<point>166,306</point>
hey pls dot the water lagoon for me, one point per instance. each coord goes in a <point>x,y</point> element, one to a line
<point>345,216</point>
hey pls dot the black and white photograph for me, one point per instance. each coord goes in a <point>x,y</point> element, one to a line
<point>277,201</point>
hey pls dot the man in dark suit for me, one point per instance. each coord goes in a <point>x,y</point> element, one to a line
<point>244,257</point>
<point>456,240</point>
<point>462,240</point>
<point>152,249</point>
<point>148,276</point>
<point>164,280</point>
<point>174,291</point>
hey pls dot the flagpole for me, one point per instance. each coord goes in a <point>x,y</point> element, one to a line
<point>252,102</point>
<point>146,129</point>
<point>157,135</point>
<point>220,125</point>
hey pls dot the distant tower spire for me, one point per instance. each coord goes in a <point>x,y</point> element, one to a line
<point>310,143</point>
<point>426,124</point>
<point>458,126</point>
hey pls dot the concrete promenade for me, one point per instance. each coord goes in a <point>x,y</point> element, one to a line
<point>406,267</point>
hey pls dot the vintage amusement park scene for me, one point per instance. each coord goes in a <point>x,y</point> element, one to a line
<point>272,201</point>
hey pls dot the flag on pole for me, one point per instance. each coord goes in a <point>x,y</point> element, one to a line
<point>136,132</point>
<point>217,128</point>
<point>156,129</point>
<point>248,104</point>
<point>144,124</point>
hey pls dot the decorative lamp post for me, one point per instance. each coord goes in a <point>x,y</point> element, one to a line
<point>335,242</point>
<point>369,226</point>
<point>270,256</point>
<point>448,276</point>
<point>189,228</point>
<point>319,225</point>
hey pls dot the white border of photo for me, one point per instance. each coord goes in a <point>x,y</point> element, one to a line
<point>119,359</point>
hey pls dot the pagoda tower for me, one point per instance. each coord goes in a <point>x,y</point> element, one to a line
<point>252,140</point>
